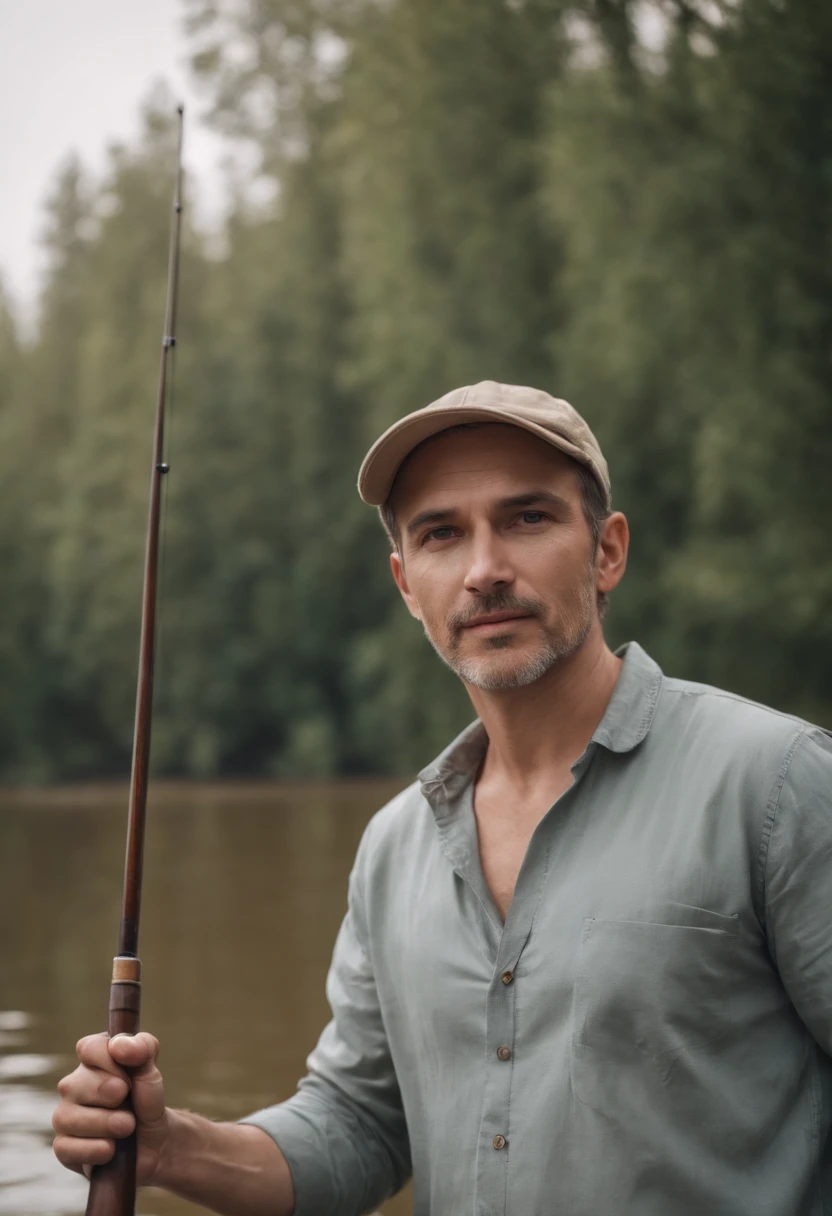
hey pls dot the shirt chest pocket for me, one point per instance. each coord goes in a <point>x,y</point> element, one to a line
<point>645,994</point>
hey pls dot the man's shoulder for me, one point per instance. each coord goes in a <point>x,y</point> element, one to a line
<point>397,841</point>
<point>717,712</point>
<point>398,824</point>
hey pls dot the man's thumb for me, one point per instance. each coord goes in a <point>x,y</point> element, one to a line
<point>139,1053</point>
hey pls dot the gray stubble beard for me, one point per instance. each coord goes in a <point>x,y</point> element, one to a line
<point>558,643</point>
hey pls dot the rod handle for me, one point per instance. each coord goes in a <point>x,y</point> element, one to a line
<point>113,1186</point>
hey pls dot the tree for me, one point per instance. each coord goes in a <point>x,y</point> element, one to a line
<point>697,220</point>
<point>516,189</point>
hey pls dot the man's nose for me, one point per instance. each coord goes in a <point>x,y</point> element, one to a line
<point>489,566</point>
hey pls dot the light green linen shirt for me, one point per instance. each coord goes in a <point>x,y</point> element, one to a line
<point>650,1031</point>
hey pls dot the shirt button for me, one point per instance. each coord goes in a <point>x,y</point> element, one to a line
<point>499,1141</point>
<point>504,1053</point>
<point>507,977</point>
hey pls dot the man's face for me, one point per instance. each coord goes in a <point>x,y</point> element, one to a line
<point>496,553</point>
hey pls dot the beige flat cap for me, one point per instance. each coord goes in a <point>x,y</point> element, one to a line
<point>549,418</point>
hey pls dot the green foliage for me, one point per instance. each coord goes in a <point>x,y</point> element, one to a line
<point>699,265</point>
<point>465,189</point>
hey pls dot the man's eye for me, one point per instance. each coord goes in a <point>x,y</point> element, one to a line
<point>533,517</point>
<point>438,534</point>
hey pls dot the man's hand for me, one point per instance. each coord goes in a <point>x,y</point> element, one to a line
<point>232,1168</point>
<point>88,1120</point>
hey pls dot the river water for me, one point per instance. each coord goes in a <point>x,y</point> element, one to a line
<point>245,887</point>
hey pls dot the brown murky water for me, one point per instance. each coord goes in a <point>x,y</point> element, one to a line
<point>244,891</point>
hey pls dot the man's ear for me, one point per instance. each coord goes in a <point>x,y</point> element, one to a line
<point>400,579</point>
<point>611,556</point>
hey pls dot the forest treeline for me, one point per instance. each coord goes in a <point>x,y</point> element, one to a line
<point>626,204</point>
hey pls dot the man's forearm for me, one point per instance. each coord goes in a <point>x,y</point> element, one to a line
<point>234,1169</point>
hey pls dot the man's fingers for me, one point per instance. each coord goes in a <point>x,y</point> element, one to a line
<point>70,1119</point>
<point>93,1087</point>
<point>94,1051</point>
<point>75,1154</point>
<point>112,1068</point>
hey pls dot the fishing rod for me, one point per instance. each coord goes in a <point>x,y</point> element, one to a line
<point>113,1186</point>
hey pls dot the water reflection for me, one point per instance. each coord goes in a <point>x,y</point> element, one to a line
<point>29,1181</point>
<point>244,891</point>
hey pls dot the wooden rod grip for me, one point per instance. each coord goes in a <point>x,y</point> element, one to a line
<point>113,1186</point>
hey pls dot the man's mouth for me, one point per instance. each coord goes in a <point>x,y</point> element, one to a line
<point>491,622</point>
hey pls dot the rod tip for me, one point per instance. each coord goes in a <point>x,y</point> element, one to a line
<point>180,109</point>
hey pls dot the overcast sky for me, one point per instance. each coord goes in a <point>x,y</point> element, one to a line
<point>73,76</point>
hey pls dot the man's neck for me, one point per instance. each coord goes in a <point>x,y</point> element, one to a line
<point>545,727</point>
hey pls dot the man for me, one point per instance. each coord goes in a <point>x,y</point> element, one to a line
<point>587,963</point>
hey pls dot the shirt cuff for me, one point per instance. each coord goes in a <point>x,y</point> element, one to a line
<point>298,1140</point>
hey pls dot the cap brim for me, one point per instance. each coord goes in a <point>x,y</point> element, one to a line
<point>382,462</point>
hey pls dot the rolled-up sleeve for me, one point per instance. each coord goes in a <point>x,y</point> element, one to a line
<point>798,881</point>
<point>344,1132</point>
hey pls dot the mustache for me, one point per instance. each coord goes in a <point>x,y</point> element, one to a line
<point>497,601</point>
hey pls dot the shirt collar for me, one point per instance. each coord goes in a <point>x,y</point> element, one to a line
<point>626,722</point>
<point>632,706</point>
